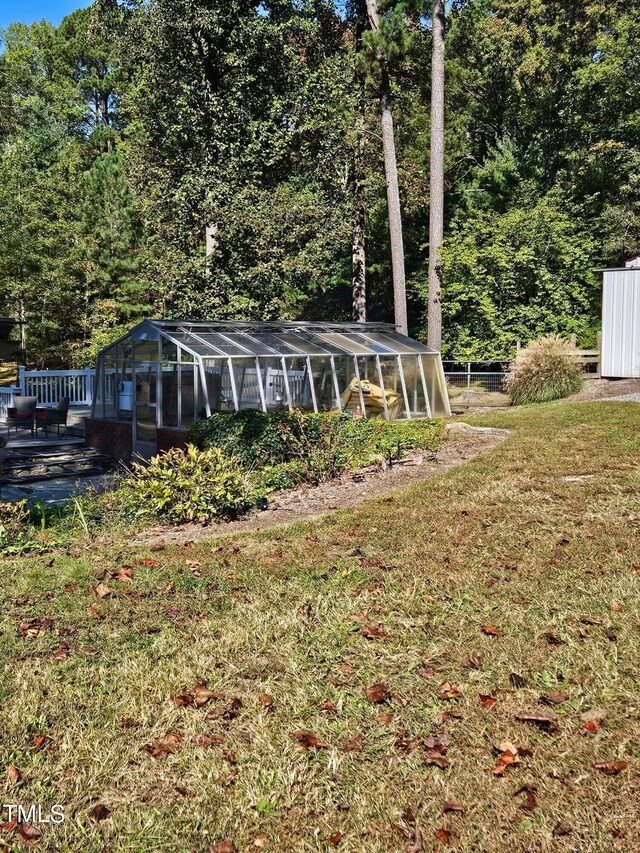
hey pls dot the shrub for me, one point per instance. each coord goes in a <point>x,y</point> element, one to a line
<point>253,437</point>
<point>286,448</point>
<point>185,485</point>
<point>543,371</point>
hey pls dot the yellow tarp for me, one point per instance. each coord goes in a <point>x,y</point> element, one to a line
<point>373,399</point>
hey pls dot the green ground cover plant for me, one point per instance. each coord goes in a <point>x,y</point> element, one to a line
<point>285,448</point>
<point>454,660</point>
<point>184,485</point>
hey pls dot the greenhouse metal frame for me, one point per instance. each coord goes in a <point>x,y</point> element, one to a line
<point>170,373</point>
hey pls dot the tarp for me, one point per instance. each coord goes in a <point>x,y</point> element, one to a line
<point>373,399</point>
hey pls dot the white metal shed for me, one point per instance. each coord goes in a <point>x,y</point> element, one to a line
<point>621,321</point>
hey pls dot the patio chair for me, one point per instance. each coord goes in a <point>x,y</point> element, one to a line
<point>22,414</point>
<point>55,416</point>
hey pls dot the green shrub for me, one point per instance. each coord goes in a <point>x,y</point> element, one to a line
<point>185,485</point>
<point>286,448</point>
<point>253,437</point>
<point>543,371</point>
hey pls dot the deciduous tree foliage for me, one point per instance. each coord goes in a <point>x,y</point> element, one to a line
<point>133,128</point>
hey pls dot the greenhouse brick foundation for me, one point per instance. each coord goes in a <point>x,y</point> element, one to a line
<point>168,438</point>
<point>109,437</point>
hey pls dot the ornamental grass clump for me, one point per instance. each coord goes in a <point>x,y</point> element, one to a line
<point>185,485</point>
<point>543,371</point>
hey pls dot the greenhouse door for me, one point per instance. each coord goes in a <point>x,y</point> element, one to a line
<point>146,409</point>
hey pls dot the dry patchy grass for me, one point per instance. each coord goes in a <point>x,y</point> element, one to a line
<point>537,539</point>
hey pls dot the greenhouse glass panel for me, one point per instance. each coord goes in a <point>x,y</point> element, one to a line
<point>324,384</point>
<point>107,386</point>
<point>170,384</point>
<point>213,371</point>
<point>98,392</point>
<point>299,383</point>
<point>247,382</point>
<point>169,351</point>
<point>390,369</point>
<point>124,390</point>
<point>188,394</point>
<point>275,387</point>
<point>348,344</point>
<point>436,385</point>
<point>411,367</point>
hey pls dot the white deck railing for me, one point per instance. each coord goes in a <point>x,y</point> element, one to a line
<point>6,400</point>
<point>50,385</point>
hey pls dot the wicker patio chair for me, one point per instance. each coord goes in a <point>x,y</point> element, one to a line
<point>22,414</point>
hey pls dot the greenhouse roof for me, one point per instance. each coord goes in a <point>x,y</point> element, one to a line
<point>283,338</point>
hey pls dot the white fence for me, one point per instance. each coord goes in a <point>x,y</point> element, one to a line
<point>6,400</point>
<point>50,385</point>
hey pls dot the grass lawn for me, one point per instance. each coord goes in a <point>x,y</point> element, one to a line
<point>537,541</point>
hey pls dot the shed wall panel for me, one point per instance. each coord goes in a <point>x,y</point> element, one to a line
<point>621,323</point>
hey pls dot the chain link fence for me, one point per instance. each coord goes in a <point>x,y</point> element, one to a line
<point>476,383</point>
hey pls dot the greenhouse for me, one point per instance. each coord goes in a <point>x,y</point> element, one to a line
<point>169,373</point>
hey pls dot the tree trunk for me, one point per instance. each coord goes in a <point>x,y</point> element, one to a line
<point>359,285</point>
<point>393,193</point>
<point>436,181</point>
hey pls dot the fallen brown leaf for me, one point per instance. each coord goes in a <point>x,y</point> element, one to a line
<point>561,829</point>
<point>546,721</point>
<point>369,628</point>
<point>509,754</point>
<point>616,607</point>
<point>530,802</point>
<point>260,840</point>
<point>229,711</point>
<point>447,690</point>
<point>552,638</point>
<point>590,620</point>
<point>99,812</point>
<point>353,744</point>
<point>384,719</point>
<point>591,727</point>
<point>453,806</point>
<point>160,747</point>
<point>611,767</point>
<point>474,661</point>
<point>13,775</point>
<point>225,846</point>
<point>554,698</point>
<point>28,833</point>
<point>377,693</point>
<point>307,739</point>
<point>487,701</point>
<point>328,705</point>
<point>443,835</point>
<point>102,591</point>
<point>267,700</point>
<point>335,839</point>
<point>490,630</point>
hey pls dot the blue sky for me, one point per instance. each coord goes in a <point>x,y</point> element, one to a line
<point>29,11</point>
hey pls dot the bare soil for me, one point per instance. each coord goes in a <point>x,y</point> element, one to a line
<point>309,502</point>
<point>601,389</point>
